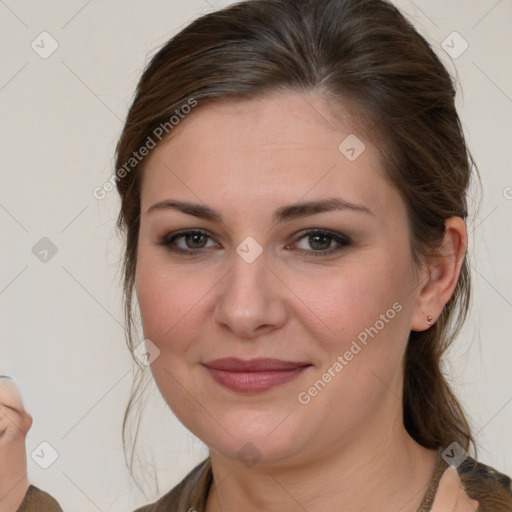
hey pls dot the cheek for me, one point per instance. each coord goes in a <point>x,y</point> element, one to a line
<point>172,301</point>
<point>168,302</point>
<point>365,293</point>
<point>365,305</point>
<point>162,301</point>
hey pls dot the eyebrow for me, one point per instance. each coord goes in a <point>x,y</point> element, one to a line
<point>283,213</point>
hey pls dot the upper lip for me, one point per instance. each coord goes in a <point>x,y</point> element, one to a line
<point>233,364</point>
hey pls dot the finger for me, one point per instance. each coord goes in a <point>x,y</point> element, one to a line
<point>10,395</point>
<point>447,492</point>
<point>15,420</point>
<point>465,503</point>
<point>451,496</point>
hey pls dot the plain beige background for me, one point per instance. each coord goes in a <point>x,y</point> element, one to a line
<point>61,320</point>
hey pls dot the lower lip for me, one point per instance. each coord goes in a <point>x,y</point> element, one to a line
<point>254,382</point>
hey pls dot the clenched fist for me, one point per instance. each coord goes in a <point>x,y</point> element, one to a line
<point>15,422</point>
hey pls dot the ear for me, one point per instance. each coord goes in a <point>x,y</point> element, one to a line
<point>440,276</point>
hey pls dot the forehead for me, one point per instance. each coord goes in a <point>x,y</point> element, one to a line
<point>276,149</point>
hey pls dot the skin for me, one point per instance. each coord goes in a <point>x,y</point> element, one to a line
<point>245,159</point>
<point>15,422</point>
<point>451,497</point>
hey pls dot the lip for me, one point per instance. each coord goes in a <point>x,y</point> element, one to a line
<point>254,375</point>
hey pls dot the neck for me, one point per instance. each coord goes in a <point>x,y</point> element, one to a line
<point>381,468</point>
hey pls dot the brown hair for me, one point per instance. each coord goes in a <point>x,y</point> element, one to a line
<point>363,51</point>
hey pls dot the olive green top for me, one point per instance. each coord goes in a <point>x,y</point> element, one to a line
<point>36,500</point>
<point>191,493</point>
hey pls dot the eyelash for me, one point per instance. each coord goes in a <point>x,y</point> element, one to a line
<point>342,240</point>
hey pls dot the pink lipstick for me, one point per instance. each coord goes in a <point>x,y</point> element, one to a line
<point>254,375</point>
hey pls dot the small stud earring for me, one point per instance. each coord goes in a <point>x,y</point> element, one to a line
<point>429,320</point>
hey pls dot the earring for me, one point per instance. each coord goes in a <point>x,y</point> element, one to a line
<point>429,320</point>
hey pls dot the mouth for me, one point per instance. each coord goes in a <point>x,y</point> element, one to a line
<point>254,375</point>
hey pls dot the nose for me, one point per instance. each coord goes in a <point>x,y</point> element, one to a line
<point>251,299</point>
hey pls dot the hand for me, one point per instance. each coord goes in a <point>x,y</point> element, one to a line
<point>451,496</point>
<point>15,422</point>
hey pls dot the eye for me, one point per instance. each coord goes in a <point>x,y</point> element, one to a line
<point>321,241</point>
<point>187,242</point>
<point>195,242</point>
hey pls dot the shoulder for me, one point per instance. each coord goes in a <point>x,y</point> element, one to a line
<point>189,494</point>
<point>36,500</point>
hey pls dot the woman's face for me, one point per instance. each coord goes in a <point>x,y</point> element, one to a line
<point>256,283</point>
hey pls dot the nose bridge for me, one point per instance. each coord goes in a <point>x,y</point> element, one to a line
<point>249,297</point>
<point>249,272</point>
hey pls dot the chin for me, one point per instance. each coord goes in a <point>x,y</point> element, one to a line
<point>255,437</point>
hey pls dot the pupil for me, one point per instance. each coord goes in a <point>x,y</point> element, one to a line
<point>196,238</point>
<point>316,239</point>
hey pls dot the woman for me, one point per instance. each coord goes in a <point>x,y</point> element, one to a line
<point>293,178</point>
